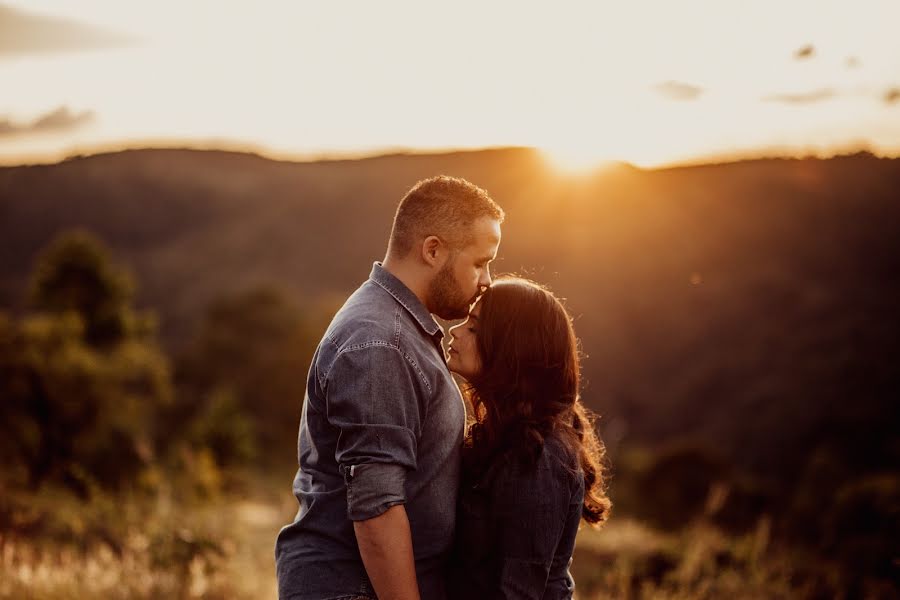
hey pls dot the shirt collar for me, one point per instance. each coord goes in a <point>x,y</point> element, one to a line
<point>405,297</point>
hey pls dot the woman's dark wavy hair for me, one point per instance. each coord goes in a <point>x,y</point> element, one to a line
<point>528,386</point>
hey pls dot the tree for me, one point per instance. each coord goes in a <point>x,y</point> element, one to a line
<point>75,274</point>
<point>82,380</point>
<point>255,346</point>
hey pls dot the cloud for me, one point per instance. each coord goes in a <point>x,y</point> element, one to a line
<point>810,97</point>
<point>57,120</point>
<point>26,33</point>
<point>804,52</point>
<point>892,96</point>
<point>677,90</point>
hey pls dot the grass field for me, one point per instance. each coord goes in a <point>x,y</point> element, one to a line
<point>222,548</point>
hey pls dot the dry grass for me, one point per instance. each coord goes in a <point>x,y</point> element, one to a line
<point>223,548</point>
<point>218,548</point>
<point>627,560</point>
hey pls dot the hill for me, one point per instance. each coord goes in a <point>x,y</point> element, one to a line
<point>749,305</point>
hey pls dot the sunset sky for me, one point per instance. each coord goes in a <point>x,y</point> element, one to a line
<point>646,82</point>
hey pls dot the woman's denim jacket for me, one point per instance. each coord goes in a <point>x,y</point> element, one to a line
<point>516,528</point>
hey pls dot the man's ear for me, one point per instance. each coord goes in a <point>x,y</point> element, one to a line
<point>433,251</point>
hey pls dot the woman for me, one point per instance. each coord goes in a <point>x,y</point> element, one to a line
<point>531,462</point>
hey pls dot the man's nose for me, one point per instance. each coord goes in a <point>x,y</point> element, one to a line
<point>485,281</point>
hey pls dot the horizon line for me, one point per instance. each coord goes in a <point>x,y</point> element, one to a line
<point>772,152</point>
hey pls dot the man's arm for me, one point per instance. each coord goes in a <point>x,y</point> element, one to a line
<point>373,401</point>
<point>385,544</point>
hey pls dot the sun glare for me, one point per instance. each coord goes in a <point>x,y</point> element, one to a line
<point>576,161</point>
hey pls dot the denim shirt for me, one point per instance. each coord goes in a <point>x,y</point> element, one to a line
<point>516,529</point>
<point>382,424</point>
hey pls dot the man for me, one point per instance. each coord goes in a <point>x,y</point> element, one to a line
<point>382,422</point>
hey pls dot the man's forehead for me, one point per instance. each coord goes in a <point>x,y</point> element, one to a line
<point>487,231</point>
<point>484,249</point>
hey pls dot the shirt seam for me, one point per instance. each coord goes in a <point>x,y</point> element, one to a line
<point>381,343</point>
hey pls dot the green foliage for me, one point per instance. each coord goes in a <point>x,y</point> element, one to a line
<point>248,366</point>
<point>75,274</point>
<point>81,382</point>
<point>225,428</point>
<point>88,395</point>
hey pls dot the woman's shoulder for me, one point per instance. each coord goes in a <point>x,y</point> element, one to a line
<point>551,481</point>
<point>560,456</point>
<point>553,458</point>
<point>556,461</point>
<point>557,448</point>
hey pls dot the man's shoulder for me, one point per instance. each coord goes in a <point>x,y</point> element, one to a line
<point>367,318</point>
<point>373,318</point>
<point>373,326</point>
<point>359,330</point>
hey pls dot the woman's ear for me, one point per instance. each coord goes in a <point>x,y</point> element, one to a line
<point>432,251</point>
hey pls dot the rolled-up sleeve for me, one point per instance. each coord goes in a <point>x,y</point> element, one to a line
<point>373,400</point>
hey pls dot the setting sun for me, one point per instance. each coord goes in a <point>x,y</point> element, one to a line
<point>575,161</point>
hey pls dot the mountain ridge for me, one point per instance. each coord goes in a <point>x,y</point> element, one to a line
<point>745,303</point>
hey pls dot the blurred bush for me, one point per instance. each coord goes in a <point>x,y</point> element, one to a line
<point>838,523</point>
<point>82,377</point>
<point>673,488</point>
<point>243,377</point>
<point>224,427</point>
<point>863,526</point>
<point>89,400</point>
<point>75,274</point>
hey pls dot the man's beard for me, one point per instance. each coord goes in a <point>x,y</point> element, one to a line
<point>446,299</point>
